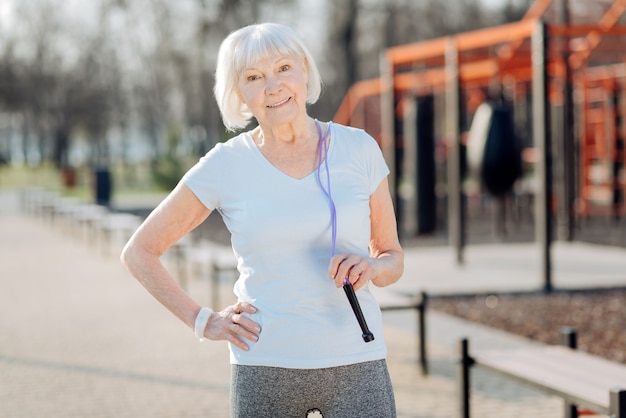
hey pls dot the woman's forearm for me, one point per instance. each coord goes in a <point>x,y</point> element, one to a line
<point>149,271</point>
<point>389,267</point>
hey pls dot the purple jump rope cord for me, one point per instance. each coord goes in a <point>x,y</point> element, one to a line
<point>323,145</point>
<point>347,286</point>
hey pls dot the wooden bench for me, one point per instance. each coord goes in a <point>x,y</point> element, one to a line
<point>35,200</point>
<point>581,379</point>
<point>87,219</point>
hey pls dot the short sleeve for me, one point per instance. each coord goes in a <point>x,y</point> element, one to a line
<point>204,178</point>
<point>377,167</point>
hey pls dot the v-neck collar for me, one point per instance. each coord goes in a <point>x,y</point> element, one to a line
<point>311,176</point>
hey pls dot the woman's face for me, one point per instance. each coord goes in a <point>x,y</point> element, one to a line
<point>275,89</point>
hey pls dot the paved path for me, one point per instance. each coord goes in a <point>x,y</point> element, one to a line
<point>80,338</point>
<point>512,267</point>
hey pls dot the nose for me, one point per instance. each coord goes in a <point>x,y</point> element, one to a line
<point>272,85</point>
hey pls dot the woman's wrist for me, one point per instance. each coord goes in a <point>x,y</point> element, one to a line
<point>202,319</point>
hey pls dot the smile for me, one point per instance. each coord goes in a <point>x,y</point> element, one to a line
<point>279,103</point>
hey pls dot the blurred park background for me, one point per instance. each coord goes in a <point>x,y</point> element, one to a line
<point>502,121</point>
<point>104,98</point>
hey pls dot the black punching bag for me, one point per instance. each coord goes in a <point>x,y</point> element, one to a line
<point>497,153</point>
<point>426,200</point>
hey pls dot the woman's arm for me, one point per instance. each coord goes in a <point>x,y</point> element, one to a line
<point>385,244</point>
<point>385,264</point>
<point>176,216</point>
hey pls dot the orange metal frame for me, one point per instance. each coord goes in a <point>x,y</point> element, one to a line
<point>501,55</point>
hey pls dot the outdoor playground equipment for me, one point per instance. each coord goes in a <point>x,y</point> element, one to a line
<point>564,79</point>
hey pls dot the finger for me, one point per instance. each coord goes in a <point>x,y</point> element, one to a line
<point>245,307</point>
<point>246,323</point>
<point>233,339</point>
<point>235,332</point>
<point>338,269</point>
<point>362,280</point>
<point>354,273</point>
<point>333,266</point>
<point>238,330</point>
<point>348,270</point>
<point>344,268</point>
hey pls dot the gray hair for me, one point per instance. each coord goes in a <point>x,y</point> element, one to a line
<point>247,46</point>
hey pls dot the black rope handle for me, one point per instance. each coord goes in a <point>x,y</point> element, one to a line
<point>356,308</point>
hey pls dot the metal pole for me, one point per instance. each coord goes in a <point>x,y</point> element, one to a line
<point>214,284</point>
<point>408,191</point>
<point>565,219</point>
<point>568,339</point>
<point>422,333</point>
<point>453,106</point>
<point>464,379</point>
<point>541,138</point>
<point>617,403</point>
<point>387,123</point>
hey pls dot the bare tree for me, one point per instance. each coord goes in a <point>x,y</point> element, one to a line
<point>150,63</point>
<point>359,31</point>
<point>342,52</point>
<point>38,59</point>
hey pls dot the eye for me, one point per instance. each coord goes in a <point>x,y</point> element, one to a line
<point>252,77</point>
<point>285,67</point>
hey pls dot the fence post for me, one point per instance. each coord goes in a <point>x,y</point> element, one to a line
<point>465,364</point>
<point>568,339</point>
<point>617,403</point>
<point>421,307</point>
<point>542,141</point>
<point>453,141</point>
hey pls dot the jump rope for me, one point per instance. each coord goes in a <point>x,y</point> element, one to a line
<point>347,286</point>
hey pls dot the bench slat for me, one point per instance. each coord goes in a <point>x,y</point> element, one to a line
<point>577,376</point>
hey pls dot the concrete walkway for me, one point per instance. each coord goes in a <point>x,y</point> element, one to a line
<point>80,338</point>
<point>512,267</point>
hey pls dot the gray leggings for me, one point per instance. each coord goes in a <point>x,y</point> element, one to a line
<point>357,390</point>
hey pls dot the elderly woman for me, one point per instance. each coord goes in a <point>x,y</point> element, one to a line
<point>308,208</point>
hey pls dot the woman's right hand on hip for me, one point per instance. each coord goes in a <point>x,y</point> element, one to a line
<point>231,325</point>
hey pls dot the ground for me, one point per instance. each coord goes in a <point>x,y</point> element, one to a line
<point>597,316</point>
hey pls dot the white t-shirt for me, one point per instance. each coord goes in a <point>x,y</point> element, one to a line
<point>281,234</point>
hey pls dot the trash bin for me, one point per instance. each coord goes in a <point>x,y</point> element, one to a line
<point>69,177</point>
<point>103,186</point>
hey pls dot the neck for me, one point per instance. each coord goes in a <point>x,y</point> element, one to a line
<point>284,134</point>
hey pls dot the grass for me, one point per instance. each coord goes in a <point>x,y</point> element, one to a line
<point>127,180</point>
<point>20,177</point>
